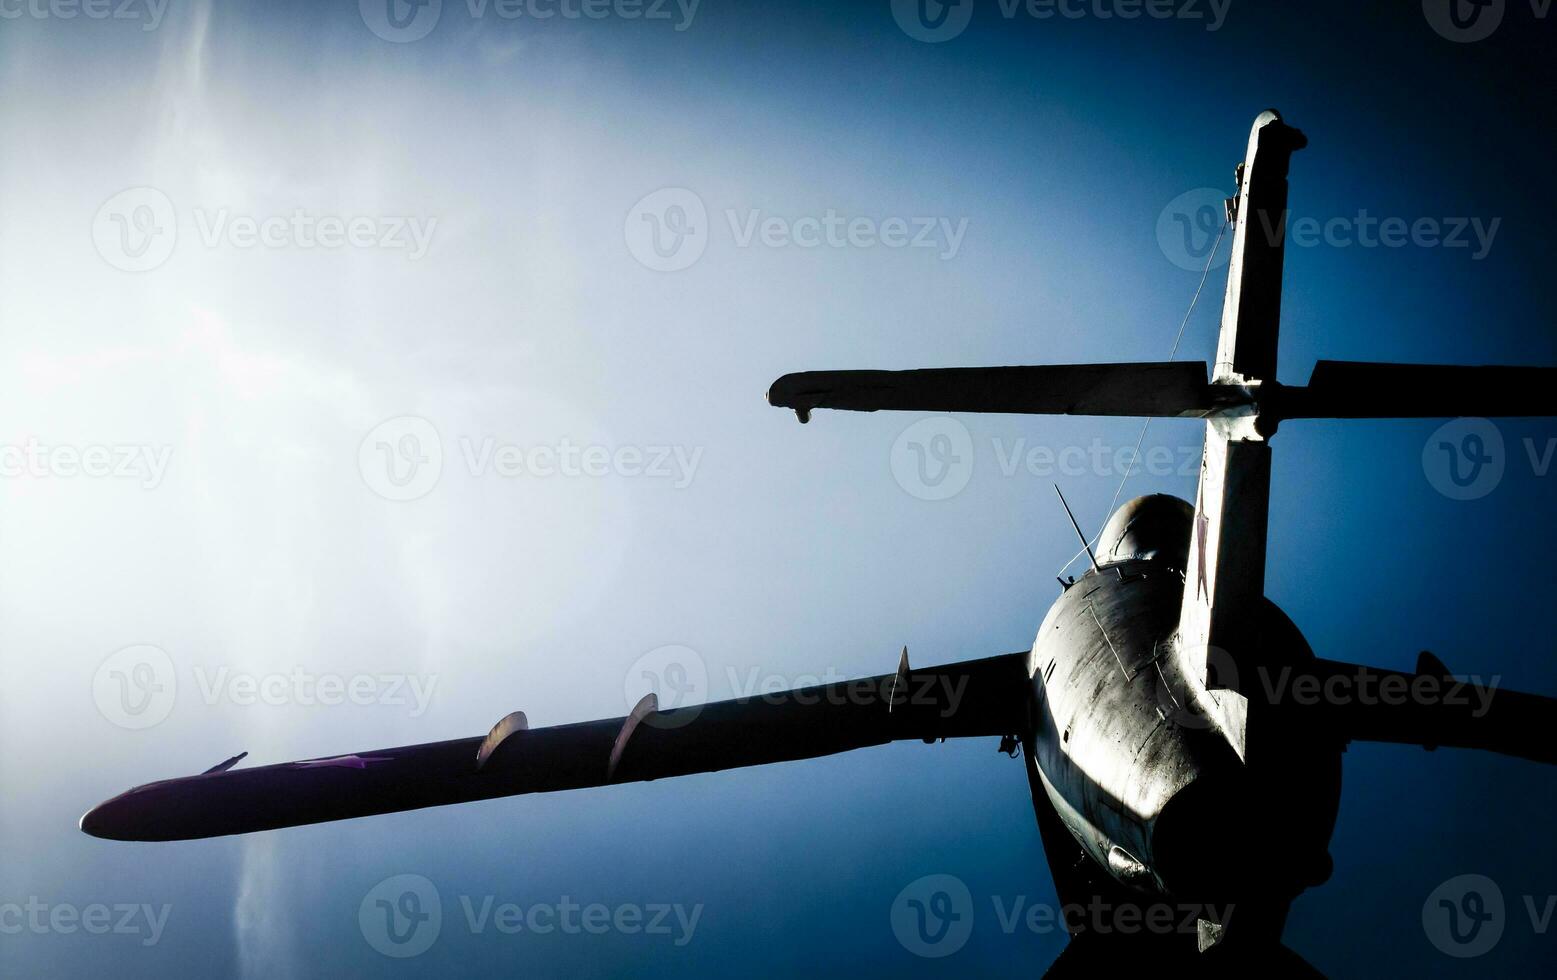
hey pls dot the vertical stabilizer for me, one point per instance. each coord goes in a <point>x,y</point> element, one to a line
<point>1225,580</point>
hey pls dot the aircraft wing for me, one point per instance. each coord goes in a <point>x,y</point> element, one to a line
<point>987,697</point>
<point>1430,708</point>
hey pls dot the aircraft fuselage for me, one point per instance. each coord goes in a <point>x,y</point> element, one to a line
<point>1138,770</point>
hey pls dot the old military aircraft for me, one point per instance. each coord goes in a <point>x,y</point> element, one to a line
<point>1170,753</point>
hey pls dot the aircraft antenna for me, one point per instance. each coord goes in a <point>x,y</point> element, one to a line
<point>1146,423</point>
<point>1084,545</point>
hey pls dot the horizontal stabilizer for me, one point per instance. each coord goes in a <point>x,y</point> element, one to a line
<point>986,697</point>
<point>1167,388</point>
<point>1358,390</point>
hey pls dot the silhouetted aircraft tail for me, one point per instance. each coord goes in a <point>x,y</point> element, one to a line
<point>1242,405</point>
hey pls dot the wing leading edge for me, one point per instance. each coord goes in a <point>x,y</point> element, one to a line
<point>987,697</point>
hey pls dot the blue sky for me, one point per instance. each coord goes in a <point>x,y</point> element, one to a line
<point>528,315</point>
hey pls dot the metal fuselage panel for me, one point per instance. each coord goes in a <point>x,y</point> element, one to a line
<point>1112,744</point>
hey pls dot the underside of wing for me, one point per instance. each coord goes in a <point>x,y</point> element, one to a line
<point>1430,707</point>
<point>986,697</point>
<point>1168,388</point>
